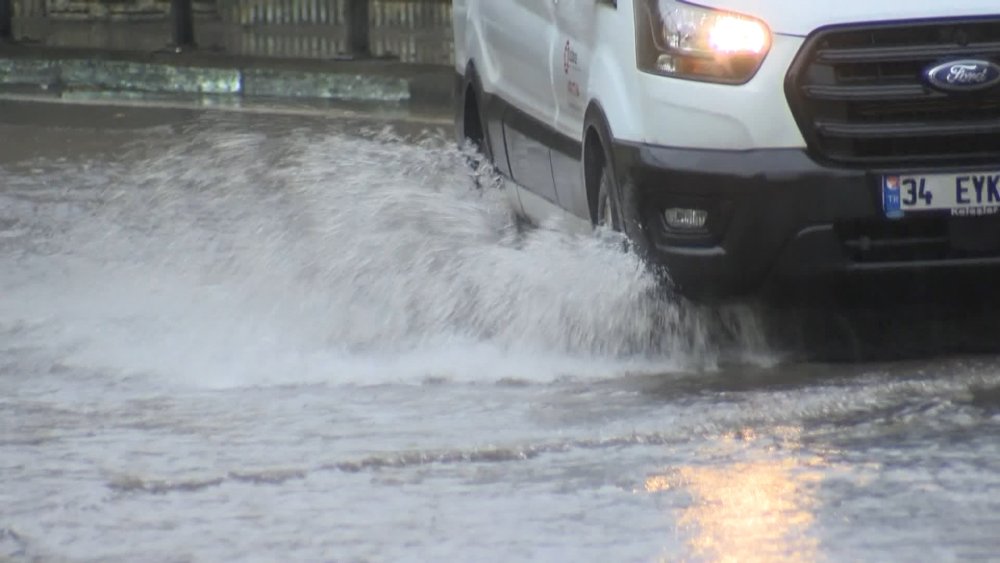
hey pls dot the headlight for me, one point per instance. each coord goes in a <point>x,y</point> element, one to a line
<point>687,41</point>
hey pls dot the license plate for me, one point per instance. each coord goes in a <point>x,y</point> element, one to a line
<point>962,194</point>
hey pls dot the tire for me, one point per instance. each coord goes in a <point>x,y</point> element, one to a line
<point>470,120</point>
<point>472,131</point>
<point>609,205</point>
<point>616,206</point>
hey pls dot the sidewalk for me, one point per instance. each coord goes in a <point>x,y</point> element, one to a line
<point>211,72</point>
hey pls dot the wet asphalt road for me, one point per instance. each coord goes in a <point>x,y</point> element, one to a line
<point>247,336</point>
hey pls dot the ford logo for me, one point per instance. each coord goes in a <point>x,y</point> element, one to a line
<point>964,76</point>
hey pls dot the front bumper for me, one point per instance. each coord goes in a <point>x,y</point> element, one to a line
<point>778,220</point>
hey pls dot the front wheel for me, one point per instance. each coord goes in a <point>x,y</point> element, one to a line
<point>612,211</point>
<point>609,208</point>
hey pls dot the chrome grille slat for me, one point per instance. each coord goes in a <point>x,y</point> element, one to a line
<point>904,54</point>
<point>871,93</point>
<point>891,130</point>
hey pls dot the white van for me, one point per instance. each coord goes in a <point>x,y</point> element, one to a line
<point>742,142</point>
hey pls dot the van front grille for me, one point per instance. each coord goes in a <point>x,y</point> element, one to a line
<point>860,96</point>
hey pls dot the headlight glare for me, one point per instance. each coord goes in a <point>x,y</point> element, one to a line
<point>731,34</point>
<point>687,41</point>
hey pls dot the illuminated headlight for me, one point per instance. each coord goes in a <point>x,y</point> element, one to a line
<point>687,41</point>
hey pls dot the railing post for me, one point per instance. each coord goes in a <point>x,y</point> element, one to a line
<point>182,16</point>
<point>358,45</point>
<point>6,20</point>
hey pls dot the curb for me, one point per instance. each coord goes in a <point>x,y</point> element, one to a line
<point>422,85</point>
<point>333,86</point>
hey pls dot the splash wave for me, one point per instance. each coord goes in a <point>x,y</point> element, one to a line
<point>238,258</point>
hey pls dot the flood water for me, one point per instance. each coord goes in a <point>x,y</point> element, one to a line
<point>258,337</point>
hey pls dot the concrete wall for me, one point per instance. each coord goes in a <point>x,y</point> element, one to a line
<point>411,30</point>
<point>405,13</point>
<point>97,10</point>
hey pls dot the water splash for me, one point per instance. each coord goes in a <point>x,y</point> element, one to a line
<point>238,258</point>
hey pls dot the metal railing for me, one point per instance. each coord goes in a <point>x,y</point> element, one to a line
<point>411,30</point>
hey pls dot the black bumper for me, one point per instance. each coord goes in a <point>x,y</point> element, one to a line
<point>779,220</point>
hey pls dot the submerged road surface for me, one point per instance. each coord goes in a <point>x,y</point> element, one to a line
<point>230,336</point>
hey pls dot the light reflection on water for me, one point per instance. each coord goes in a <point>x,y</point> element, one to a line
<point>757,509</point>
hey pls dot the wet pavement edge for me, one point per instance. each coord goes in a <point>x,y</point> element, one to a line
<point>57,69</point>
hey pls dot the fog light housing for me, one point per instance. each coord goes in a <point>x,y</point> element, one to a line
<point>687,220</point>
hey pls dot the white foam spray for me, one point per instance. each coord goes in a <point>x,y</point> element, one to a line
<point>230,258</point>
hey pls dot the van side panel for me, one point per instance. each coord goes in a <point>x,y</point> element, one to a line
<point>611,81</point>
